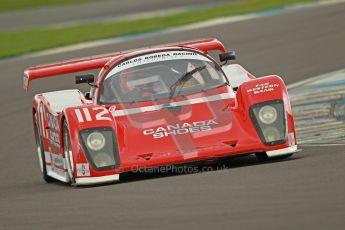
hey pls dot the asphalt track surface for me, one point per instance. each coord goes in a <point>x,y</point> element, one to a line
<point>304,192</point>
<point>93,12</point>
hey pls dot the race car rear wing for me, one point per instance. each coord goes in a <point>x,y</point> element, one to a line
<point>97,62</point>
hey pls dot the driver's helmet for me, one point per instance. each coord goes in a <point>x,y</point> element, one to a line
<point>124,77</point>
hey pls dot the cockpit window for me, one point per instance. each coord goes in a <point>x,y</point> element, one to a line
<point>159,76</point>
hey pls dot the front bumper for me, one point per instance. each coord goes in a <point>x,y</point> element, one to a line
<point>282,152</point>
<point>96,180</point>
<point>115,177</point>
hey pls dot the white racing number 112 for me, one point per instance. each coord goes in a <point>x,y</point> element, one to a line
<point>101,115</point>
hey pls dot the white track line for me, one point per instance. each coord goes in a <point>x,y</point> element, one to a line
<point>326,76</point>
<point>320,145</point>
<point>130,17</point>
<point>209,23</point>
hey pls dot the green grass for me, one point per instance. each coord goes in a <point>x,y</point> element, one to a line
<point>11,5</point>
<point>17,43</point>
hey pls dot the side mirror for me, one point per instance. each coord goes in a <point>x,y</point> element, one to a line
<point>85,78</point>
<point>228,56</point>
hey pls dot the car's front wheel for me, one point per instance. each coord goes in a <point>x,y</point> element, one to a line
<point>40,152</point>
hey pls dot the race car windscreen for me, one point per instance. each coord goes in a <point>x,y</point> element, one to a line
<point>160,75</point>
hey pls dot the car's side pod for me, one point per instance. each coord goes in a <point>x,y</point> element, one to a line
<point>268,90</point>
<point>261,89</point>
<point>81,121</point>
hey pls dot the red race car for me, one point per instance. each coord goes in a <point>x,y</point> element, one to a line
<point>157,107</point>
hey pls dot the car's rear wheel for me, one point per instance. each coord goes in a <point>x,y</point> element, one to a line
<point>68,152</point>
<point>40,152</point>
<point>262,156</point>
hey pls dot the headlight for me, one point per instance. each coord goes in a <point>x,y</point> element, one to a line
<point>272,134</point>
<point>102,159</point>
<point>95,141</point>
<point>270,122</point>
<point>268,114</point>
<point>100,147</point>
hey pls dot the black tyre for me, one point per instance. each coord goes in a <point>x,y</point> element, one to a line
<point>68,152</point>
<point>40,153</point>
